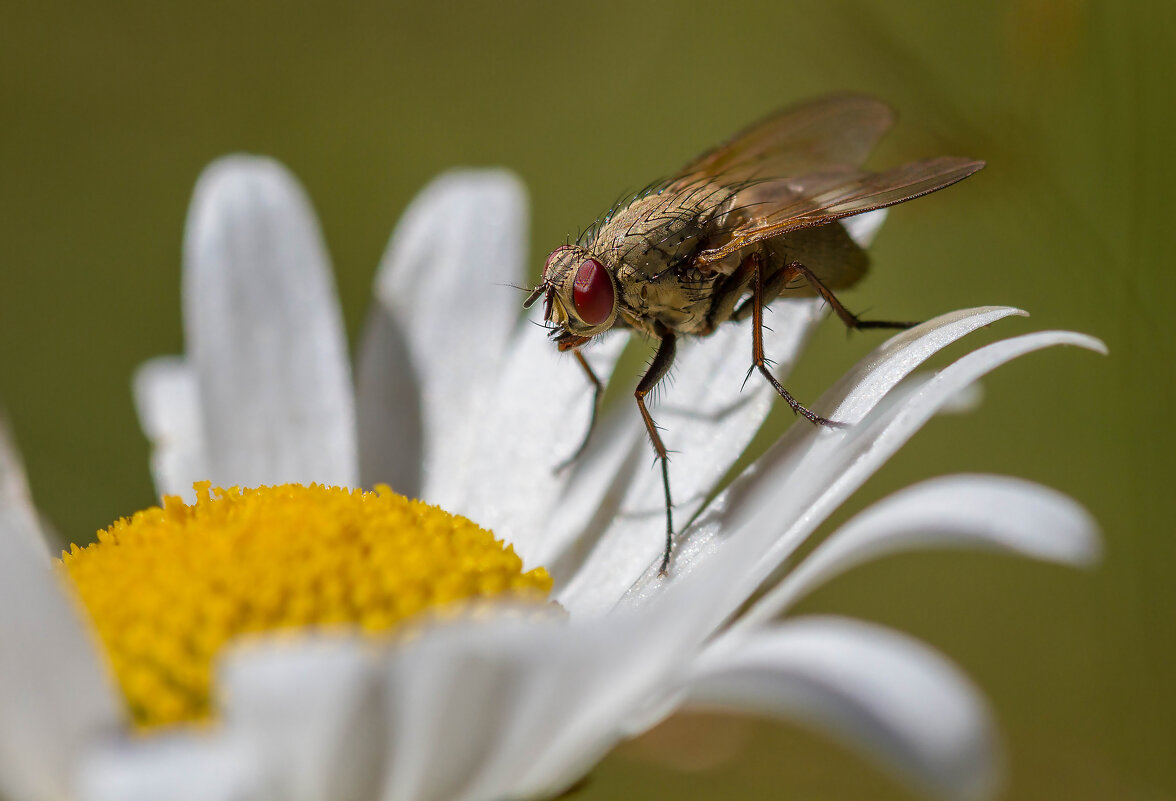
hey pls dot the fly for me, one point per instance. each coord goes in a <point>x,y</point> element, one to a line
<point>736,228</point>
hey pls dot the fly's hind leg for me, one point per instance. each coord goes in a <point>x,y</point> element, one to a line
<point>796,269</point>
<point>759,362</point>
<point>657,370</point>
<point>775,284</point>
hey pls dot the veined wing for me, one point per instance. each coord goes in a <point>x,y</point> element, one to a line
<point>820,198</point>
<point>837,131</point>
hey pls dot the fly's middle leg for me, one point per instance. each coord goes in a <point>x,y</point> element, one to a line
<point>759,362</point>
<point>657,370</point>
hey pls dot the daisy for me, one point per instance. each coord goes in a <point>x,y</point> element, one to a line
<point>456,401</point>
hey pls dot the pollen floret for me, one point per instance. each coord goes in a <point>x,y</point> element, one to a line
<point>168,587</point>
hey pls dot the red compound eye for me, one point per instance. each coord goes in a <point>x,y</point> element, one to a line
<point>593,293</point>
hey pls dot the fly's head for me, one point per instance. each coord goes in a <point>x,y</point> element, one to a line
<point>579,295</point>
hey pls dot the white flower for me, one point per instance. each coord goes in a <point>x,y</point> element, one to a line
<point>458,401</point>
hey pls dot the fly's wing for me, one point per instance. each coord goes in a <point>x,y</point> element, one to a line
<point>829,133</point>
<point>828,136</point>
<point>786,205</point>
<point>827,250</point>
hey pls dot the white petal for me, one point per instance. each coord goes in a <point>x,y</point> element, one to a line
<point>167,399</point>
<point>864,227</point>
<point>18,515</point>
<point>770,490</point>
<point>388,407</point>
<point>602,475</point>
<point>453,692</point>
<point>991,512</point>
<point>55,695</point>
<point>603,672</point>
<point>893,698</point>
<point>309,710</point>
<point>859,390</point>
<point>264,331</point>
<point>618,674</point>
<point>448,279</point>
<point>709,416</point>
<point>532,419</point>
<point>505,708</point>
<point>835,466</point>
<point>178,767</point>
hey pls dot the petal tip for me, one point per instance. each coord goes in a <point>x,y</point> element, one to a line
<point>491,188</point>
<point>1086,541</point>
<point>235,190</point>
<point>1098,346</point>
<point>241,169</point>
<point>1086,341</point>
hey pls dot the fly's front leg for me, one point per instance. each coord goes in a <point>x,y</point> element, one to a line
<point>597,395</point>
<point>757,349</point>
<point>727,294</point>
<point>657,370</point>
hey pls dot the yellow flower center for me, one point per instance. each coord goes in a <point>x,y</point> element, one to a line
<point>169,586</point>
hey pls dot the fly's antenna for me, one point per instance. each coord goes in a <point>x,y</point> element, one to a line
<point>536,293</point>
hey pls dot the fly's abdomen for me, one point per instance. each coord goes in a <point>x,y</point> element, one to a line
<point>827,250</point>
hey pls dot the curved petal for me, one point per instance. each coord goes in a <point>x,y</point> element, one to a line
<point>457,254</point>
<point>834,469</point>
<point>167,399</point>
<point>55,693</point>
<point>464,697</point>
<point>188,766</point>
<point>858,391</point>
<point>885,694</point>
<point>604,670</point>
<point>709,417</point>
<point>769,487</point>
<point>511,705</point>
<point>264,331</point>
<point>990,512</point>
<point>450,696</point>
<point>507,708</point>
<point>309,710</point>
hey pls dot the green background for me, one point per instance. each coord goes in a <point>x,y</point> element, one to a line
<point>110,111</point>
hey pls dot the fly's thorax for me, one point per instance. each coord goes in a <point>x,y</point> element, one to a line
<point>581,296</point>
<point>654,233</point>
<point>652,243</point>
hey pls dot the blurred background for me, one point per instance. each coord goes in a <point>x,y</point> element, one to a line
<point>111,110</point>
